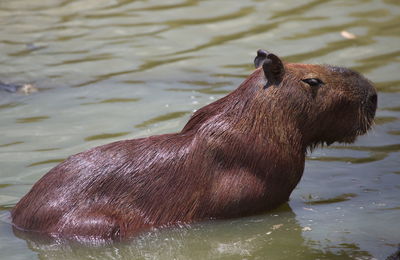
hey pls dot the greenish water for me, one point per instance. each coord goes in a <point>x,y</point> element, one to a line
<point>111,70</point>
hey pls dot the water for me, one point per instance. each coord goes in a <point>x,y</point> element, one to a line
<point>112,70</point>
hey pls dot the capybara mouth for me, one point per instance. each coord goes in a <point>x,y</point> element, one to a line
<point>366,114</point>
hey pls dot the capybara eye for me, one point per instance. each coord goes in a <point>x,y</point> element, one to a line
<point>313,82</point>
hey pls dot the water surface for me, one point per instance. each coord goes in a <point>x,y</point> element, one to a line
<point>112,70</point>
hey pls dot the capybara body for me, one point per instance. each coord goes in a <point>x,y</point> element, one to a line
<point>240,155</point>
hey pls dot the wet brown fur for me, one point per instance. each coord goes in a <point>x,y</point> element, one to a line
<point>240,155</point>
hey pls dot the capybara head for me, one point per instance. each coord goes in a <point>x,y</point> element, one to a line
<point>327,103</point>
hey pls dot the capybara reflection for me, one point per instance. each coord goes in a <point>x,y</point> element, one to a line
<point>240,155</point>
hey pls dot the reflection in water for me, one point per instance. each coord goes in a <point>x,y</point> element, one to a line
<point>388,86</point>
<point>9,105</point>
<point>276,235</point>
<point>9,144</point>
<point>125,69</point>
<point>372,158</point>
<point>105,136</point>
<point>340,198</point>
<point>162,118</point>
<point>31,119</point>
<point>384,120</point>
<point>46,162</point>
<point>116,100</point>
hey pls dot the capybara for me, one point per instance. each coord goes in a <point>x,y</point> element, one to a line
<point>242,154</point>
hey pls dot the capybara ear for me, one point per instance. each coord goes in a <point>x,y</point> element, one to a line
<point>260,58</point>
<point>273,69</point>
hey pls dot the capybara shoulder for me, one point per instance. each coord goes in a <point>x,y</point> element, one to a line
<point>240,155</point>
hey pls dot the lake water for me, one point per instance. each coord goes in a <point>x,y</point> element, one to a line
<point>118,69</point>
